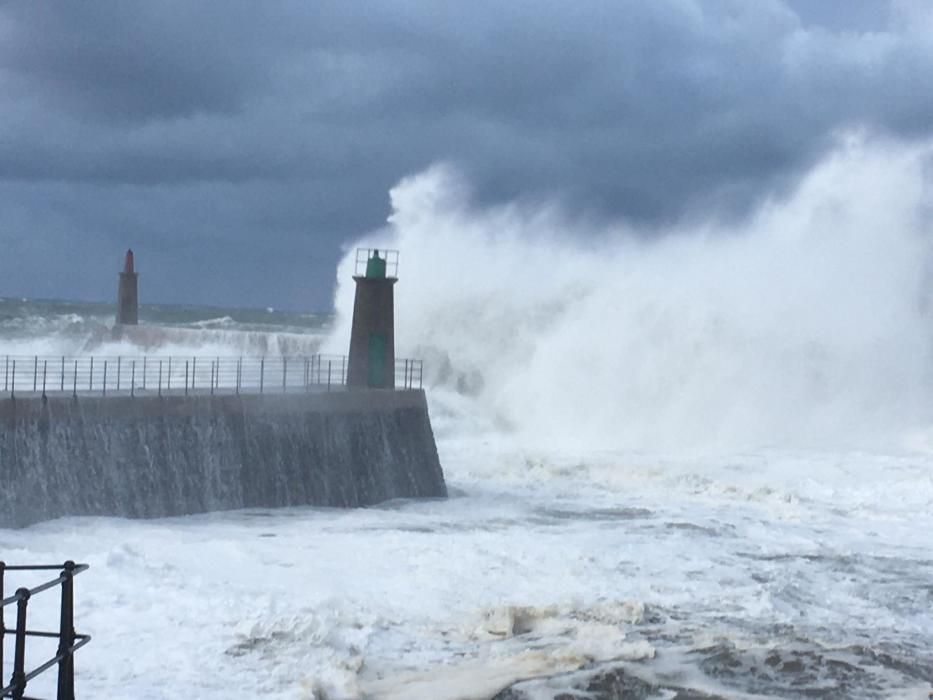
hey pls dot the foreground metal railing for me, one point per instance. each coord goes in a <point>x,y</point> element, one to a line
<point>68,640</point>
<point>132,375</point>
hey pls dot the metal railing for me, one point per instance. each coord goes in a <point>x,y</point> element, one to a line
<point>389,256</point>
<point>68,640</point>
<point>132,375</point>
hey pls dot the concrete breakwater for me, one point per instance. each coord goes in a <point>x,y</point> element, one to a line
<point>155,456</point>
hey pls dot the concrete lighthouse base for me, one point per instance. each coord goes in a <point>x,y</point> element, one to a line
<point>151,456</point>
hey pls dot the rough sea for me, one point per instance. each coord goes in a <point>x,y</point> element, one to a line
<point>699,466</point>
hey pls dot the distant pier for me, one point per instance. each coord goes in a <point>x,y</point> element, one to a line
<point>152,436</point>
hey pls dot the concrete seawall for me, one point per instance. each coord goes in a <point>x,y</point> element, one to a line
<point>152,456</point>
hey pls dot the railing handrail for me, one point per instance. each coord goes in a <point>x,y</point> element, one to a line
<point>21,592</point>
<point>69,641</point>
<point>100,374</point>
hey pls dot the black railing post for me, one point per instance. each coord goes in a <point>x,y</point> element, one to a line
<point>74,389</point>
<point>284,373</point>
<point>35,373</point>
<point>90,377</point>
<point>212,377</point>
<point>194,371</point>
<point>63,374</point>
<point>18,680</point>
<point>239,373</point>
<point>2,625</point>
<point>119,367</point>
<point>13,382</point>
<point>307,371</point>
<point>186,377</point>
<point>262,373</point>
<point>144,371</point>
<point>133,379</point>
<point>45,372</point>
<point>105,379</point>
<point>66,636</point>
<point>160,377</point>
<point>69,641</point>
<point>328,375</point>
<point>343,369</point>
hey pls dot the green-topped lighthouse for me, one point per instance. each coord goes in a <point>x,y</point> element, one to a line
<point>372,339</point>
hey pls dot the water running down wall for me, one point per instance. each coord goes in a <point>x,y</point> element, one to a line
<point>148,457</point>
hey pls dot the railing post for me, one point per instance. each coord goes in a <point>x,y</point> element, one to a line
<point>18,680</point>
<point>194,371</point>
<point>284,373</point>
<point>13,382</point>
<point>262,373</point>
<point>63,374</point>
<point>45,372</point>
<point>307,370</point>
<point>105,379</point>
<point>119,364</point>
<point>2,625</point>
<point>239,373</point>
<point>168,379</point>
<point>144,371</point>
<point>90,377</point>
<point>74,377</point>
<point>66,636</point>
<point>343,370</point>
<point>186,377</point>
<point>35,373</point>
<point>328,375</point>
<point>212,377</point>
<point>217,378</point>
<point>160,377</point>
<point>133,379</point>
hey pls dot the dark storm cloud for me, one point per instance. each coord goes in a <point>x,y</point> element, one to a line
<point>247,134</point>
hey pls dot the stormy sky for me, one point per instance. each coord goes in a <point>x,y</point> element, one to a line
<point>237,145</point>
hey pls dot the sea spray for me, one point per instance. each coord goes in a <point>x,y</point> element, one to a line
<point>805,325</point>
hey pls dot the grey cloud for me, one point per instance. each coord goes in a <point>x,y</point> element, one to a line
<point>281,125</point>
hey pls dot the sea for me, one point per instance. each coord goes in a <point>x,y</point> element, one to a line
<point>680,467</point>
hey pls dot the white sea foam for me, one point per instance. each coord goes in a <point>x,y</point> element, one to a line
<point>541,570</point>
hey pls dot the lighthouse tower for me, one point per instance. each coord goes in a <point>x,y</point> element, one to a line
<point>372,339</point>
<point>127,294</point>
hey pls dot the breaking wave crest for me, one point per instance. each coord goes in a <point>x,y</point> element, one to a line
<point>807,324</point>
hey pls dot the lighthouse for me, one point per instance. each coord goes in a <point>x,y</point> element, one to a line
<point>127,293</point>
<point>372,338</point>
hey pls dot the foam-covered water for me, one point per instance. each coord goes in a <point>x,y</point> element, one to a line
<point>701,462</point>
<point>53,327</point>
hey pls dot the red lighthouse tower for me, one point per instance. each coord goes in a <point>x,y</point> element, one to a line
<point>128,293</point>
